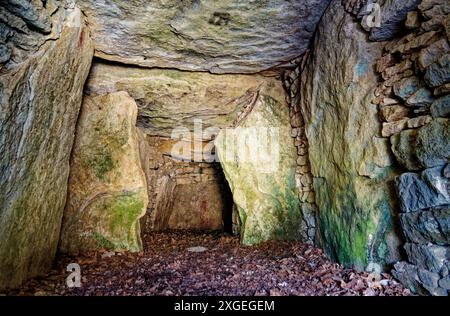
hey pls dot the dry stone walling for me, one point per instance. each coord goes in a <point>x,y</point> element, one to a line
<point>376,116</point>
<point>414,105</point>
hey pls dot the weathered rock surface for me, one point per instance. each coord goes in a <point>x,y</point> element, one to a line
<point>422,191</point>
<point>441,107</point>
<point>404,149</point>
<point>355,208</point>
<point>25,26</point>
<point>438,73</point>
<point>40,100</point>
<point>169,98</point>
<point>107,191</point>
<point>431,257</point>
<point>229,36</point>
<point>433,143</point>
<point>414,68</point>
<point>259,161</point>
<point>426,147</point>
<point>406,87</point>
<point>393,16</point>
<point>419,280</point>
<point>407,274</point>
<point>427,226</point>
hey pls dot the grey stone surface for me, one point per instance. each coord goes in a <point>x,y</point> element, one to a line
<point>421,97</point>
<point>25,26</point>
<point>432,145</point>
<point>430,257</point>
<point>430,281</point>
<point>438,73</point>
<point>228,36</point>
<point>403,147</point>
<point>40,99</point>
<point>393,16</point>
<point>32,12</point>
<point>426,147</point>
<point>441,107</point>
<point>406,87</point>
<point>445,283</point>
<point>421,191</point>
<point>427,226</point>
<point>447,171</point>
<point>407,274</point>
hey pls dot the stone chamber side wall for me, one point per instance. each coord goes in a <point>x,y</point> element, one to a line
<point>45,56</point>
<point>414,106</point>
<point>414,109</point>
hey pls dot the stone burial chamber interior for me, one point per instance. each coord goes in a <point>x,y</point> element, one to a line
<point>122,118</point>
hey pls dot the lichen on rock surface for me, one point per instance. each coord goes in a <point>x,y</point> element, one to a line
<point>40,96</point>
<point>228,36</point>
<point>107,191</point>
<point>169,98</point>
<point>263,185</point>
<point>349,161</point>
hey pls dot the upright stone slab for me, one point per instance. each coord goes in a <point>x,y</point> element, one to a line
<point>259,161</point>
<point>350,162</point>
<point>107,189</point>
<point>40,101</point>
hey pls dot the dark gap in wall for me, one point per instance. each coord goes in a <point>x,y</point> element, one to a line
<point>227,196</point>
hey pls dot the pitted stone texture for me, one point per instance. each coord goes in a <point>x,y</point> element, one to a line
<point>441,107</point>
<point>40,100</point>
<point>438,73</point>
<point>426,147</point>
<point>229,36</point>
<point>431,257</point>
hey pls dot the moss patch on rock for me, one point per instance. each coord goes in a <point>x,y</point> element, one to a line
<point>263,186</point>
<point>107,187</point>
<point>351,164</point>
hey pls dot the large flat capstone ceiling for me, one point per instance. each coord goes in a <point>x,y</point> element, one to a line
<point>220,36</point>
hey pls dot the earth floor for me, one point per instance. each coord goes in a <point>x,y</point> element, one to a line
<point>169,267</point>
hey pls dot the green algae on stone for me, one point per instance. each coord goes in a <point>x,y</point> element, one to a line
<point>113,231</point>
<point>107,187</point>
<point>40,97</point>
<point>263,186</point>
<point>351,166</point>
